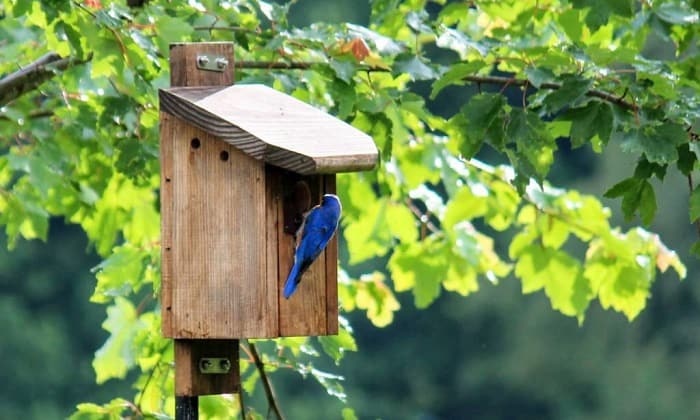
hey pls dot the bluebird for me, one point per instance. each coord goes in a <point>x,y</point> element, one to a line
<point>318,227</point>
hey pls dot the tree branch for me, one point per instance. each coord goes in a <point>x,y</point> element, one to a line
<point>257,32</point>
<point>493,80</point>
<point>30,77</point>
<point>41,113</point>
<point>269,392</point>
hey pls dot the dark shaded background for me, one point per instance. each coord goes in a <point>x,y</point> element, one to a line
<point>494,355</point>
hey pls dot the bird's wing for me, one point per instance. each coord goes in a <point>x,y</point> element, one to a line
<point>316,234</point>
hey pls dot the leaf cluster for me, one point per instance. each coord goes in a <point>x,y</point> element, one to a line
<point>84,147</point>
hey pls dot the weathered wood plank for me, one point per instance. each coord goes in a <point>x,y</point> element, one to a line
<point>167,126</point>
<point>219,245</point>
<point>273,199</point>
<point>189,381</point>
<point>275,127</point>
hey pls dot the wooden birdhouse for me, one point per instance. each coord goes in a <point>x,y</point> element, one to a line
<point>240,164</point>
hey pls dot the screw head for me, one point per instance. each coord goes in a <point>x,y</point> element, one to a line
<point>225,364</point>
<point>203,60</point>
<point>221,62</point>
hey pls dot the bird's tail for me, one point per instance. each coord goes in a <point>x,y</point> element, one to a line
<point>292,281</point>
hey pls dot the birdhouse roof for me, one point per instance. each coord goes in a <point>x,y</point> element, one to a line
<point>274,127</point>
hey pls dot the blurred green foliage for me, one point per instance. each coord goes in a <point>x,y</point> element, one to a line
<point>84,147</point>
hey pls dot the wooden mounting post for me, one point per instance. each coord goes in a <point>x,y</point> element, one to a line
<point>190,381</point>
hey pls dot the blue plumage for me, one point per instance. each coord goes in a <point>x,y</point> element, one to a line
<point>317,229</point>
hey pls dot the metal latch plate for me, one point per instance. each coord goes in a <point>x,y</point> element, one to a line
<point>212,62</point>
<point>214,365</point>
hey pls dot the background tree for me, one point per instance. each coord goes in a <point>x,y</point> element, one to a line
<point>80,130</point>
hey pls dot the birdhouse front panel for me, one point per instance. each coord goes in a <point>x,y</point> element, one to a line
<point>213,237</point>
<point>228,222</point>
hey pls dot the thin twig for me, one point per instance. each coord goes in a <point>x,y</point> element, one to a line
<point>269,392</point>
<point>277,65</point>
<point>257,32</point>
<point>241,404</point>
<point>424,218</point>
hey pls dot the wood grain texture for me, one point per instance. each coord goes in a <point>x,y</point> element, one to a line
<point>274,127</point>
<point>273,199</point>
<point>167,126</point>
<point>331,269</point>
<point>189,381</point>
<point>218,241</point>
<point>183,64</point>
<point>304,313</point>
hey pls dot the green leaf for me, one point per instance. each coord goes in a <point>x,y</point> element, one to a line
<point>119,275</point>
<point>532,260</point>
<point>559,274</point>
<point>344,69</point>
<point>534,145</point>
<point>599,11</point>
<point>647,203</point>
<point>112,410</point>
<point>369,293</point>
<point>420,267</point>
<point>695,205</point>
<point>335,346</point>
<point>553,231</point>
<point>402,224</point>
<point>459,42</point>
<point>473,125</point>
<point>622,188</point>
<point>482,109</point>
<point>349,414</point>
<point>385,45</point>
<point>686,159</point>
<point>621,286</point>
<point>595,118</point>
<point>539,75</point>
<point>414,66</point>
<point>572,89</point>
<point>646,169</point>
<point>171,29</point>
<point>677,13</point>
<point>455,75</point>
<point>117,355</point>
<point>659,144</point>
<point>463,206</point>
<point>20,8</point>
<point>368,236</point>
<point>572,23</point>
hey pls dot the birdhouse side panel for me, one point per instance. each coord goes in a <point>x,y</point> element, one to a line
<point>331,255</point>
<point>219,286</point>
<point>167,126</point>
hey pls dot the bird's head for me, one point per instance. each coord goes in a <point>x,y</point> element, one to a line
<point>331,200</point>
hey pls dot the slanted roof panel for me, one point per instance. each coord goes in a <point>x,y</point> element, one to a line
<point>273,126</point>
